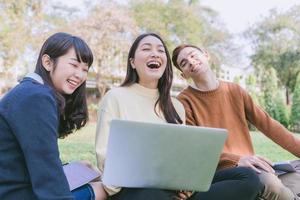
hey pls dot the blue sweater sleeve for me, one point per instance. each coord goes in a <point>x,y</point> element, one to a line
<point>34,122</point>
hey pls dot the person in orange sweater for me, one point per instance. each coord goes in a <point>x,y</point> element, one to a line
<point>214,103</point>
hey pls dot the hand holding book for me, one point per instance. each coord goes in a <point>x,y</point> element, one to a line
<point>78,174</point>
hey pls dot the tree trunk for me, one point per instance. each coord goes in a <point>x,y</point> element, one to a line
<point>287,96</point>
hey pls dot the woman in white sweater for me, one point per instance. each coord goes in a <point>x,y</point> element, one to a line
<point>145,96</point>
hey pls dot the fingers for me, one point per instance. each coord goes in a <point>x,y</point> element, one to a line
<point>265,159</point>
<point>265,164</point>
<point>253,168</point>
<point>183,195</point>
<point>256,163</point>
<point>86,163</point>
<point>89,165</point>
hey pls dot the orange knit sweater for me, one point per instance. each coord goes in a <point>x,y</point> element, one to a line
<point>230,107</point>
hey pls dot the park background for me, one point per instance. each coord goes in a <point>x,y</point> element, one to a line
<point>263,56</point>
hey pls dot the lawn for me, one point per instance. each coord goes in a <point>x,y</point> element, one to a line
<point>80,146</point>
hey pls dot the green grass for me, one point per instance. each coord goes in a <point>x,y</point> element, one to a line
<point>80,146</point>
<point>267,148</point>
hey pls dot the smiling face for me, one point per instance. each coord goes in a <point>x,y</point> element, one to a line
<point>68,73</point>
<point>192,62</point>
<point>150,61</point>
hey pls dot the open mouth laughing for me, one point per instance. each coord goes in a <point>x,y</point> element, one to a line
<point>153,64</point>
<point>73,83</point>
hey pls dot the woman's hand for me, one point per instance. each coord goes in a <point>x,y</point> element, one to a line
<point>100,193</point>
<point>183,195</point>
<point>89,165</point>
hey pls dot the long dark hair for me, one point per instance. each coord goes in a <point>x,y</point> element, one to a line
<point>73,112</point>
<point>164,84</point>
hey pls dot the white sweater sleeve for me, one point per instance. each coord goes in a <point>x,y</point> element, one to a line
<point>108,110</point>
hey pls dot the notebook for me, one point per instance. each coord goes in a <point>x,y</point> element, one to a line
<point>79,174</point>
<point>283,168</point>
<point>165,156</point>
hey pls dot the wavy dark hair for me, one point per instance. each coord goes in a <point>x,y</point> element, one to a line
<point>164,84</point>
<point>73,112</point>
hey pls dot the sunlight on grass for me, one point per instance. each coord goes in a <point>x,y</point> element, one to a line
<point>80,146</point>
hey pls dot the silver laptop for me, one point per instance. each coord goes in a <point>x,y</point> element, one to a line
<point>165,156</point>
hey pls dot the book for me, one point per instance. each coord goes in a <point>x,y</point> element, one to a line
<point>79,174</point>
<point>283,168</point>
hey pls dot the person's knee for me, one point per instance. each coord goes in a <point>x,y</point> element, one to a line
<point>274,188</point>
<point>251,180</point>
<point>271,182</point>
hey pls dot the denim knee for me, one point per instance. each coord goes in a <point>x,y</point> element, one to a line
<point>251,180</point>
<point>84,192</point>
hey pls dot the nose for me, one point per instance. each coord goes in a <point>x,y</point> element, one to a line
<point>191,60</point>
<point>154,53</point>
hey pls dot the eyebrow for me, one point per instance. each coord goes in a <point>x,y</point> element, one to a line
<point>149,44</point>
<point>184,59</point>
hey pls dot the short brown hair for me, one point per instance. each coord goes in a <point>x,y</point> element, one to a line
<point>177,50</point>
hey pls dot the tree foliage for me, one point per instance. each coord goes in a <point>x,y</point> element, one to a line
<point>108,29</point>
<point>276,43</point>
<point>295,110</point>
<point>17,19</point>
<point>179,21</point>
<point>251,87</point>
<point>273,99</point>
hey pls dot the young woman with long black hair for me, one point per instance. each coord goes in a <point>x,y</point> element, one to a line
<point>145,96</point>
<point>46,105</point>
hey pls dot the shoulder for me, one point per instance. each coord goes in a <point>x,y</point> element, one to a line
<point>29,100</point>
<point>118,91</point>
<point>115,93</point>
<point>231,86</point>
<point>29,92</point>
<point>186,95</point>
<point>37,93</point>
<point>113,98</point>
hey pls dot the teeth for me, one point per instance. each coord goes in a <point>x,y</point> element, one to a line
<point>153,64</point>
<point>74,83</point>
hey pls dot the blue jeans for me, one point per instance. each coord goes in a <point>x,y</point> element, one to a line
<point>237,183</point>
<point>84,192</point>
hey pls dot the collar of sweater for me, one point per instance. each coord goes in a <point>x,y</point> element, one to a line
<point>141,90</point>
<point>35,77</point>
<point>208,92</point>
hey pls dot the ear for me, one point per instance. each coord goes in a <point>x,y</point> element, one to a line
<point>132,63</point>
<point>47,63</point>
